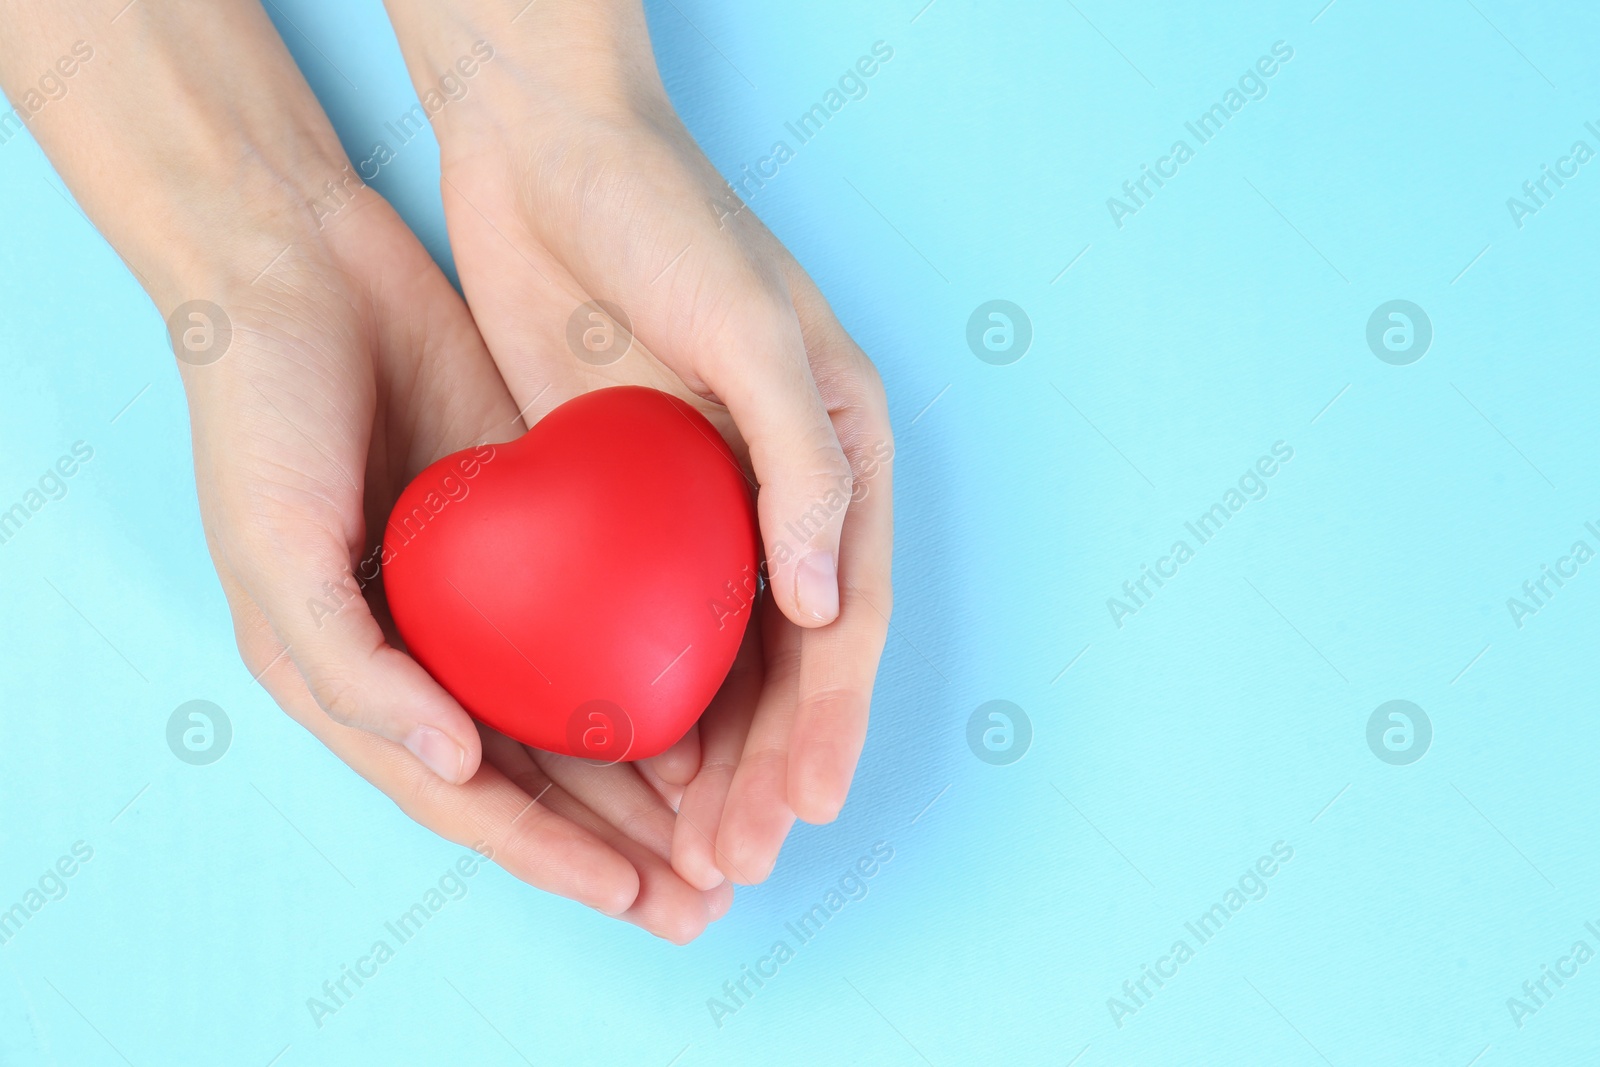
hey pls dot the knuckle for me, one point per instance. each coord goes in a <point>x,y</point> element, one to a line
<point>835,702</point>
<point>831,471</point>
<point>421,793</point>
<point>719,766</point>
<point>641,824</point>
<point>766,757</point>
<point>855,377</point>
<point>262,535</point>
<point>340,697</point>
<point>749,317</point>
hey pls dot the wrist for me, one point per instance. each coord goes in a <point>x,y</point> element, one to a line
<point>193,233</point>
<point>534,67</point>
<point>197,152</point>
<point>222,190</point>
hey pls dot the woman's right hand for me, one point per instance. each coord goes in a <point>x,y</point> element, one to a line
<point>352,365</point>
<point>327,360</point>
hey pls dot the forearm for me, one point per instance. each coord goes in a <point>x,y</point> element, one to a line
<point>542,56</point>
<point>185,132</point>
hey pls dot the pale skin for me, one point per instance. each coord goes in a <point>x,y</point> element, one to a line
<point>195,146</point>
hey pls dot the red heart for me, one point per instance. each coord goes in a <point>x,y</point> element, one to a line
<point>582,589</point>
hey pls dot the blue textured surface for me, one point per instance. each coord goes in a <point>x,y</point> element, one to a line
<point>1173,746</point>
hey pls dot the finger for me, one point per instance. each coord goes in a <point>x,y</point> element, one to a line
<point>299,571</point>
<point>678,764</point>
<point>711,302</point>
<point>666,905</point>
<point>671,794</point>
<point>617,794</point>
<point>719,900</point>
<point>292,443</point>
<point>839,664</point>
<point>757,817</point>
<point>723,729</point>
<point>490,813</point>
<point>532,841</point>
<point>753,359</point>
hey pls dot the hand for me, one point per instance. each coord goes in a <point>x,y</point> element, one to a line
<point>567,178</point>
<point>353,366</point>
<point>349,364</point>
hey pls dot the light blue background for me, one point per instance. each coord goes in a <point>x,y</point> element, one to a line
<point>1228,714</point>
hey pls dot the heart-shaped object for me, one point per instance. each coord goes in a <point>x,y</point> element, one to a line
<point>582,589</point>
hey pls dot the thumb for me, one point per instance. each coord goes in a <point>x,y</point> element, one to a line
<point>313,598</point>
<point>762,375</point>
<point>754,361</point>
<point>725,323</point>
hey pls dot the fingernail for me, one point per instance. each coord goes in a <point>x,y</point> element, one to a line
<point>441,755</point>
<point>816,586</point>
